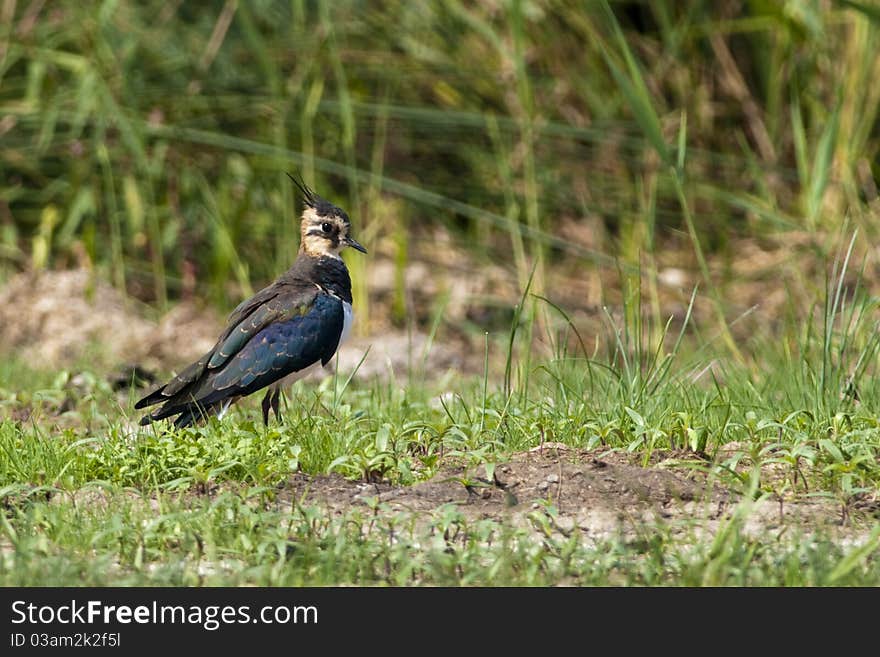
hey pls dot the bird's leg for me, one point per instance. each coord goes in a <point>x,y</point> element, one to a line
<point>267,400</point>
<point>275,404</point>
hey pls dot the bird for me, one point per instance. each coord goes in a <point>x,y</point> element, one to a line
<point>283,332</point>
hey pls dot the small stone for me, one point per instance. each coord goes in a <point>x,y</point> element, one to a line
<point>673,277</point>
<point>565,524</point>
<point>552,478</point>
<point>543,485</point>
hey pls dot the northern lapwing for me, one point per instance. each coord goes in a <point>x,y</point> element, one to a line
<point>276,337</point>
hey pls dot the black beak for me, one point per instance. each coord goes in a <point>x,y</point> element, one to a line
<point>353,243</point>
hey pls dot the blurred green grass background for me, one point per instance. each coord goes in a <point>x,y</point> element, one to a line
<point>149,139</point>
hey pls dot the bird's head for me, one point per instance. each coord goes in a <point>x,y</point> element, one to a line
<point>325,228</point>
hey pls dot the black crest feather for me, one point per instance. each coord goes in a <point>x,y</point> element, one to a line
<point>311,199</point>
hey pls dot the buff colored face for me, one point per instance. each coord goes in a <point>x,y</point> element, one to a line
<point>326,234</point>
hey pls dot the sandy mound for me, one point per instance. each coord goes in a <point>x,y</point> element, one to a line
<point>57,319</point>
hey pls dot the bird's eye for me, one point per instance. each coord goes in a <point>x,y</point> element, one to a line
<point>326,227</point>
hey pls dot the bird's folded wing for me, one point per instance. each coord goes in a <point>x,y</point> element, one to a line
<point>288,344</point>
<point>268,305</point>
<point>244,322</point>
<point>277,309</point>
<point>248,306</point>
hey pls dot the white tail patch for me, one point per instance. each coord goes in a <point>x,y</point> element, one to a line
<point>225,408</point>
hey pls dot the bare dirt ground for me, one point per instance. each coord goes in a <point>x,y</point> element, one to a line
<point>596,494</point>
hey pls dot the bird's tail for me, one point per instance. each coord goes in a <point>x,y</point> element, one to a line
<point>188,413</point>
